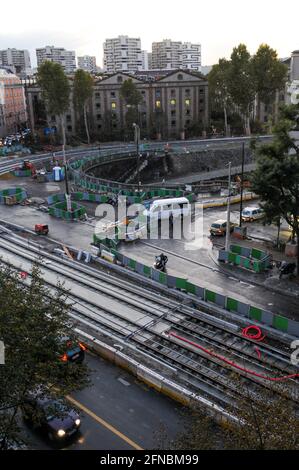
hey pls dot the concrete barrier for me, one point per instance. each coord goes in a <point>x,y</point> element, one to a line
<point>149,377</point>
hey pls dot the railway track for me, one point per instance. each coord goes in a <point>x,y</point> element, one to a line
<point>154,323</point>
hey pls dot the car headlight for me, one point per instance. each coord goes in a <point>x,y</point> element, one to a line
<point>61,433</point>
<point>77,422</point>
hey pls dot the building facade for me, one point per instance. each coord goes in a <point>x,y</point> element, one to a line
<point>59,55</point>
<point>174,106</point>
<point>191,56</point>
<point>19,59</point>
<point>171,55</point>
<point>122,54</point>
<point>144,57</point>
<point>13,114</point>
<point>87,63</point>
<point>166,55</point>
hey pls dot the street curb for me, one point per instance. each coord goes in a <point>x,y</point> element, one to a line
<point>151,378</point>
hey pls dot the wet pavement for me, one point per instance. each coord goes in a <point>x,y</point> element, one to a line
<point>133,411</point>
<point>199,265</point>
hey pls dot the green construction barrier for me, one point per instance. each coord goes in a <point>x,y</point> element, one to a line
<point>256,253</point>
<point>132,263</point>
<point>147,271</point>
<point>231,304</point>
<point>190,288</point>
<point>280,323</point>
<point>232,258</point>
<point>181,283</point>
<point>210,296</point>
<point>236,249</point>
<point>163,278</point>
<point>255,313</point>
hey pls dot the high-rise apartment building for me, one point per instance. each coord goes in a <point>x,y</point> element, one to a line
<point>19,59</point>
<point>122,54</point>
<point>144,57</point>
<point>59,55</point>
<point>170,55</point>
<point>166,55</point>
<point>191,56</point>
<point>87,63</point>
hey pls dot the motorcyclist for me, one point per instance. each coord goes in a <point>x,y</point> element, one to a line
<point>161,261</point>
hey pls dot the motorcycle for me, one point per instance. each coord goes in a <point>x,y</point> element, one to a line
<point>160,262</point>
<point>287,269</point>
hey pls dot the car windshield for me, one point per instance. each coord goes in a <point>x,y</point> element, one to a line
<point>246,212</point>
<point>53,409</point>
<point>215,225</point>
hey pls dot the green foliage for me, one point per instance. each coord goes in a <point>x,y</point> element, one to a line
<point>130,94</point>
<point>264,420</point>
<point>276,178</point>
<point>268,72</point>
<point>33,321</point>
<point>55,87</point>
<point>218,79</point>
<point>132,98</point>
<point>234,84</point>
<point>241,84</point>
<point>83,88</point>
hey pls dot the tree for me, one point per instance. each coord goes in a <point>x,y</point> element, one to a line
<point>218,79</point>
<point>83,89</point>
<point>269,75</point>
<point>55,90</point>
<point>276,178</point>
<point>241,83</point>
<point>263,421</point>
<point>132,98</point>
<point>33,321</point>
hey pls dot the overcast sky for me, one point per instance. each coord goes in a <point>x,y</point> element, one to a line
<point>218,25</point>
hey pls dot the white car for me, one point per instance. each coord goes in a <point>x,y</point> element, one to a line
<point>249,214</point>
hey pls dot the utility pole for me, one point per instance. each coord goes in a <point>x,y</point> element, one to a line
<point>137,141</point>
<point>67,193</point>
<point>242,182</point>
<point>227,239</point>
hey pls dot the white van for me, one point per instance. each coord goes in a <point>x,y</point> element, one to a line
<point>167,208</point>
<point>249,214</point>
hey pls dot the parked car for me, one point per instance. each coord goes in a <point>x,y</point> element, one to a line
<point>249,214</point>
<point>54,418</point>
<point>218,228</point>
<point>75,351</point>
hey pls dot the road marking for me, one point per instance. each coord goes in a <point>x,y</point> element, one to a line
<point>104,423</point>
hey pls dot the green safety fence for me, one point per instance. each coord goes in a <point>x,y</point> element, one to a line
<point>18,193</point>
<point>59,210</point>
<point>249,258</point>
<point>251,312</point>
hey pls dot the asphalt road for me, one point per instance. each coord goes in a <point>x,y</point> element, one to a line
<point>185,258</point>
<point>118,413</point>
<point>199,264</point>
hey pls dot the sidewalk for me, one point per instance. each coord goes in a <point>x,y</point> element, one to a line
<point>269,280</point>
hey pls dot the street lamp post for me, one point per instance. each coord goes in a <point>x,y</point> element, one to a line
<point>242,182</point>
<point>227,239</point>
<point>137,141</point>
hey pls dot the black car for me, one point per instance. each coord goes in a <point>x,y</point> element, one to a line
<point>52,417</point>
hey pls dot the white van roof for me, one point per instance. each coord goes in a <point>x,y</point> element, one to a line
<point>251,208</point>
<point>175,200</point>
